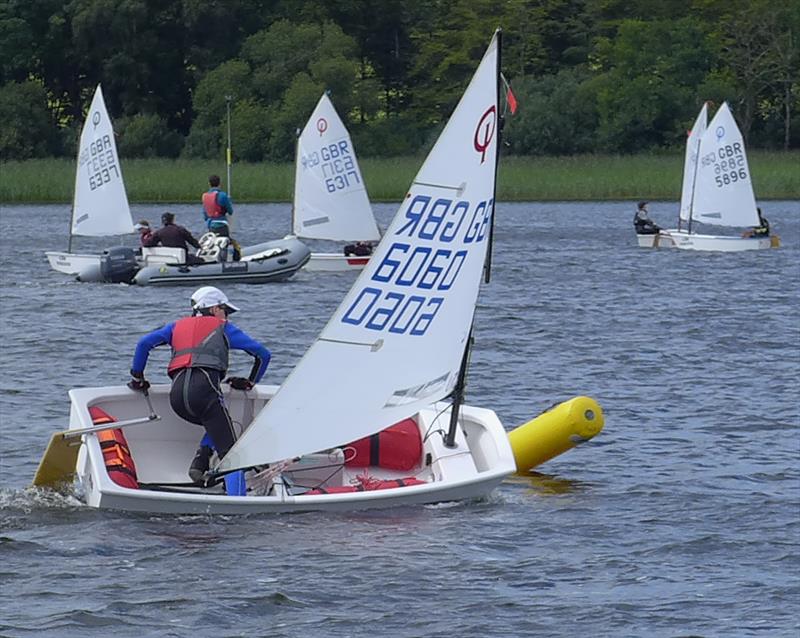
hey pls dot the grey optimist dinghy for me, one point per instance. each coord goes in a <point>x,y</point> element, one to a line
<point>391,362</point>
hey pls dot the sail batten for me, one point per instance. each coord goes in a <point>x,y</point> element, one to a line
<point>415,300</point>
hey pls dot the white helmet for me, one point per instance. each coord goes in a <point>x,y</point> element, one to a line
<point>208,297</point>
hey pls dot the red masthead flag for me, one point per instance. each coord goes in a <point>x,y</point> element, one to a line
<point>511,99</point>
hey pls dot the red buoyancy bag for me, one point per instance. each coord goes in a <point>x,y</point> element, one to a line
<point>398,447</point>
<point>116,454</point>
<point>367,486</point>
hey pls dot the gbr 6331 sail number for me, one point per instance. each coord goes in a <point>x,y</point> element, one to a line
<point>410,284</point>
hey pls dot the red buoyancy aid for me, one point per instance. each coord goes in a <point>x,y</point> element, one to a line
<point>398,447</point>
<point>116,453</point>
<point>198,342</point>
<point>211,205</point>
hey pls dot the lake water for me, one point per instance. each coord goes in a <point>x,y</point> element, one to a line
<point>682,518</point>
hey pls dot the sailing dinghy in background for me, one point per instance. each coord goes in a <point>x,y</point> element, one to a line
<point>330,198</point>
<point>100,203</point>
<point>717,190</point>
<point>663,238</point>
<point>403,332</point>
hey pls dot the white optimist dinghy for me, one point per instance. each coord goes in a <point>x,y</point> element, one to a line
<point>100,204</point>
<point>393,430</point>
<point>717,189</point>
<point>330,198</point>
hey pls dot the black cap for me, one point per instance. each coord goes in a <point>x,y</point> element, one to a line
<point>167,218</point>
<point>642,204</point>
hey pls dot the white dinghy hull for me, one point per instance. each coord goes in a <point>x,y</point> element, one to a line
<point>719,243</point>
<point>655,240</point>
<point>72,263</point>
<point>712,243</point>
<point>162,451</point>
<point>332,262</point>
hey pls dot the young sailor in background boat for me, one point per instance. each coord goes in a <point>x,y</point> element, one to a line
<point>145,232</point>
<point>762,230</point>
<point>358,249</point>
<point>642,222</point>
<point>174,236</point>
<point>217,207</point>
<point>200,346</point>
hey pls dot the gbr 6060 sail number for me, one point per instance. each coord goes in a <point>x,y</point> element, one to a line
<point>421,273</point>
<point>729,164</point>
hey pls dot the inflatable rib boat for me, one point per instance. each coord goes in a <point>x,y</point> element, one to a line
<point>262,263</point>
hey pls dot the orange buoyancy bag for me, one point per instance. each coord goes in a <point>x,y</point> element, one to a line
<point>116,453</point>
<point>398,447</point>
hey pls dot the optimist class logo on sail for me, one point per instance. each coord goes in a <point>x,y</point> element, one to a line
<point>433,240</point>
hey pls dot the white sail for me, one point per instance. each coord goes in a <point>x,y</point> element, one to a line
<point>690,162</point>
<point>330,199</point>
<point>101,203</point>
<point>723,192</point>
<point>396,342</point>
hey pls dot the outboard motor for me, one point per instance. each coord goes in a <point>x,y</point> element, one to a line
<point>118,265</point>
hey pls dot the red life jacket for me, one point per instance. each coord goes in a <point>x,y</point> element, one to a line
<point>211,205</point>
<point>116,454</point>
<point>198,342</point>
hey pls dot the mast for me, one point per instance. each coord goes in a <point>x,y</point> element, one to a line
<point>487,268</point>
<point>458,391</point>
<point>228,154</point>
<point>694,180</point>
<point>297,132</point>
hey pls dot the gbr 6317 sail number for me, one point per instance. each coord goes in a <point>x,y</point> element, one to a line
<point>411,282</point>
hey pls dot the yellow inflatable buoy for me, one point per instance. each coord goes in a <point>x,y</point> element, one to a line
<point>555,431</point>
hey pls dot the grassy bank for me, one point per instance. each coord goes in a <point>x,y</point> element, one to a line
<point>587,177</point>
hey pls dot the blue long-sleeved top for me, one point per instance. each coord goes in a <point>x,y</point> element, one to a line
<point>237,339</point>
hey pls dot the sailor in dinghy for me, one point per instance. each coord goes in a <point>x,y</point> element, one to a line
<point>200,345</point>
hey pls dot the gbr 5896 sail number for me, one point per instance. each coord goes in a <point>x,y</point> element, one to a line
<point>410,284</point>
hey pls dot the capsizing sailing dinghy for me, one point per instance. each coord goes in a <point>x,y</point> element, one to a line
<point>403,332</point>
<point>717,189</point>
<point>100,203</point>
<point>330,198</point>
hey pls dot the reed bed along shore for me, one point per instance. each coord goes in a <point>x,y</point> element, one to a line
<point>580,178</point>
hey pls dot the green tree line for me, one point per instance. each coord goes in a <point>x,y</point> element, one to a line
<point>612,76</point>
